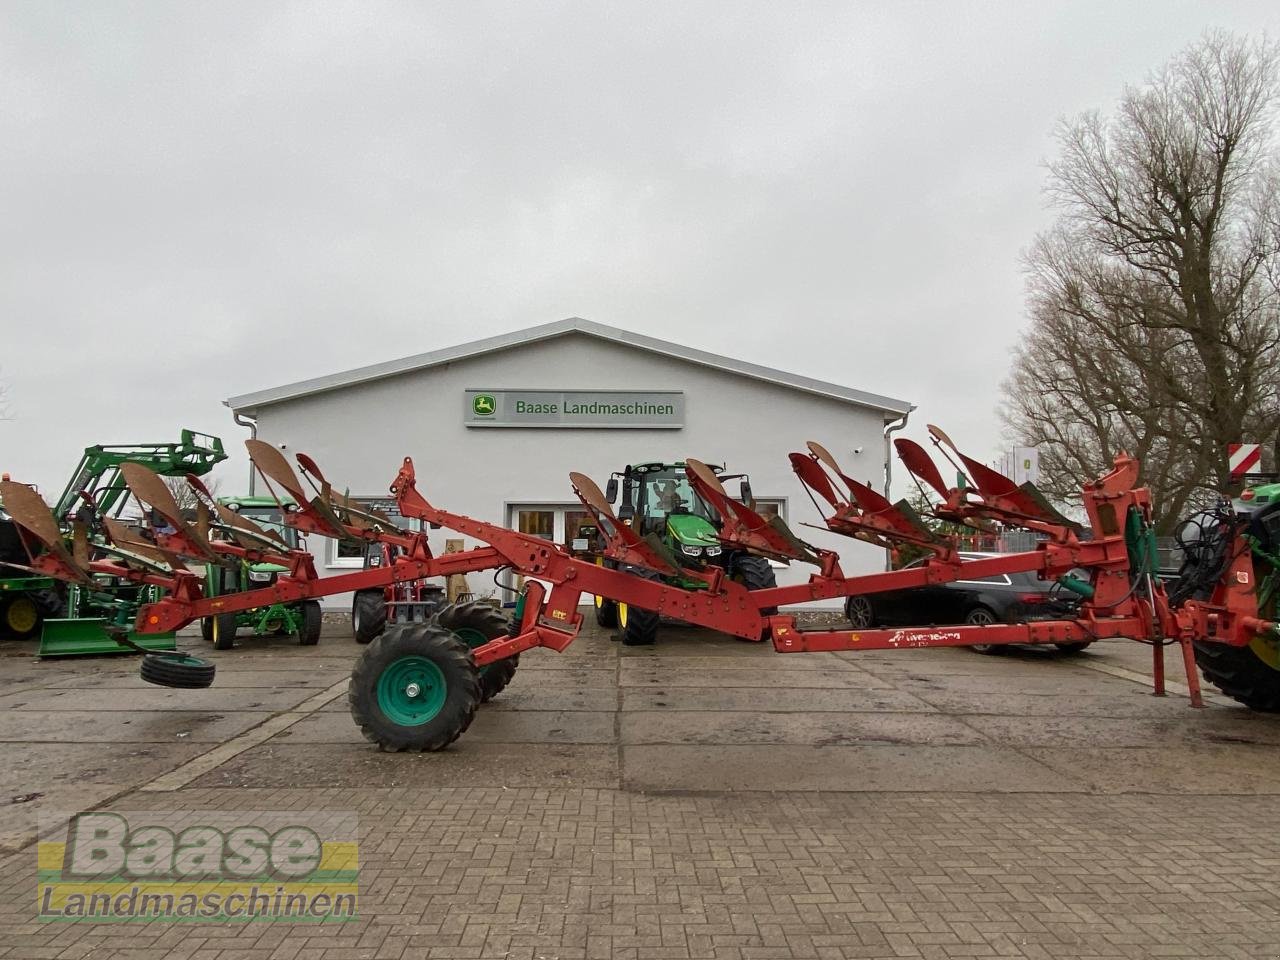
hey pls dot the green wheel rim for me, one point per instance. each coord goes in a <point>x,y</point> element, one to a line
<point>411,691</point>
<point>22,615</point>
<point>473,638</point>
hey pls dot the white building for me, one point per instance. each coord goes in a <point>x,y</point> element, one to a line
<point>495,426</point>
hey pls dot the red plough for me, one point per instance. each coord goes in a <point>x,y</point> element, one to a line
<point>412,689</point>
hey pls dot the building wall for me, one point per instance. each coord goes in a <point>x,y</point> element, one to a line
<point>359,434</point>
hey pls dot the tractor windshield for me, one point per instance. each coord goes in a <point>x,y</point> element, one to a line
<point>270,518</point>
<point>663,492</point>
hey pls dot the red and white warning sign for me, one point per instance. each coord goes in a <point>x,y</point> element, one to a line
<point>1244,457</point>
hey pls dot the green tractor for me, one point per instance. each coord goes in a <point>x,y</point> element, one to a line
<point>93,618</point>
<point>302,620</point>
<point>660,504</point>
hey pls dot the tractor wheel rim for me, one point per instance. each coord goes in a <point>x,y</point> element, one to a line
<point>22,615</point>
<point>599,601</point>
<point>216,632</point>
<point>622,615</point>
<point>473,638</point>
<point>411,691</point>
<point>1266,649</point>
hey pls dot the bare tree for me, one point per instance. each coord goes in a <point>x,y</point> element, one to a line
<point>1154,301</point>
<point>185,496</point>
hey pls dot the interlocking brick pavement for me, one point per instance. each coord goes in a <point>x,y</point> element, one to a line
<point>708,799</point>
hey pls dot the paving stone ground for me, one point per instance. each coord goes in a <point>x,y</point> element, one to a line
<point>705,798</point>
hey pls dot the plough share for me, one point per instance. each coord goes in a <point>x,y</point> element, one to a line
<point>418,685</point>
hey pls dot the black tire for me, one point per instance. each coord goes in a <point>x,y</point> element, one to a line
<point>606,609</point>
<point>312,621</point>
<point>51,602</point>
<point>982,615</point>
<point>206,629</point>
<point>177,670</point>
<point>606,613</point>
<point>475,624</point>
<point>1241,674</point>
<point>1071,649</point>
<point>756,573</point>
<point>860,612</point>
<point>222,631</point>
<point>368,614</point>
<point>450,656</point>
<point>20,617</point>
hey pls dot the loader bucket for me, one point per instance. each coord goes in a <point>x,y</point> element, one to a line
<point>85,636</point>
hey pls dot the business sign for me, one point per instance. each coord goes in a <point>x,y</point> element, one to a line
<point>597,409</point>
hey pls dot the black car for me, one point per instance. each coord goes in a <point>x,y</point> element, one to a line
<point>1003,598</point>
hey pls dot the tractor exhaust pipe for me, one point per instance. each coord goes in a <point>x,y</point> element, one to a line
<point>252,424</point>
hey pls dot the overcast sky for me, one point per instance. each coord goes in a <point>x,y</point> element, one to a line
<point>204,200</point>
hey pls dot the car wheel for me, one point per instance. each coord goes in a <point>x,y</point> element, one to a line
<point>981,617</point>
<point>859,612</point>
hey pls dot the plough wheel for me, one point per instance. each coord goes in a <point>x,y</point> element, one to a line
<point>177,670</point>
<point>414,687</point>
<point>368,614</point>
<point>1250,675</point>
<point>475,624</point>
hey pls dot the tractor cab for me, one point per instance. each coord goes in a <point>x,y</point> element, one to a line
<point>658,500</point>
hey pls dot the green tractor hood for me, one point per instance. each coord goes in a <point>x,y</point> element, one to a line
<point>692,531</point>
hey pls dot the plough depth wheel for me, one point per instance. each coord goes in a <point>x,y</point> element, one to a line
<point>475,624</point>
<point>414,687</point>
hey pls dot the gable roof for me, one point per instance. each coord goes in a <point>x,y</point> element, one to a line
<point>249,402</point>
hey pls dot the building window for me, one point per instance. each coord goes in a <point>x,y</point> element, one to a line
<point>342,553</point>
<point>770,507</point>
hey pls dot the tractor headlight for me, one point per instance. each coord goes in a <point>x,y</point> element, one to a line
<point>713,551</point>
<point>261,576</point>
<point>690,551</point>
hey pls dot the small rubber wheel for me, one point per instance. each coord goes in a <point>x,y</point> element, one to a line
<point>475,624</point>
<point>1071,649</point>
<point>368,615</point>
<point>176,670</point>
<point>20,617</point>
<point>223,631</point>
<point>414,687</point>
<point>312,621</point>
<point>859,612</point>
<point>206,629</point>
<point>982,616</point>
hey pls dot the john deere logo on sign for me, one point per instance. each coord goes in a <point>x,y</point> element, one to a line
<point>483,405</point>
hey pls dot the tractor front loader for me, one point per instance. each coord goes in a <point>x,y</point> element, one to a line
<point>417,685</point>
<point>85,615</point>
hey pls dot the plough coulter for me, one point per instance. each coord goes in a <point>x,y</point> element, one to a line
<point>418,685</point>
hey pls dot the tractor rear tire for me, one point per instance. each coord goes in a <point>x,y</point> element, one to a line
<point>312,621</point>
<point>368,614</point>
<point>222,631</point>
<point>1241,674</point>
<point>414,687</point>
<point>475,624</point>
<point>177,670</point>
